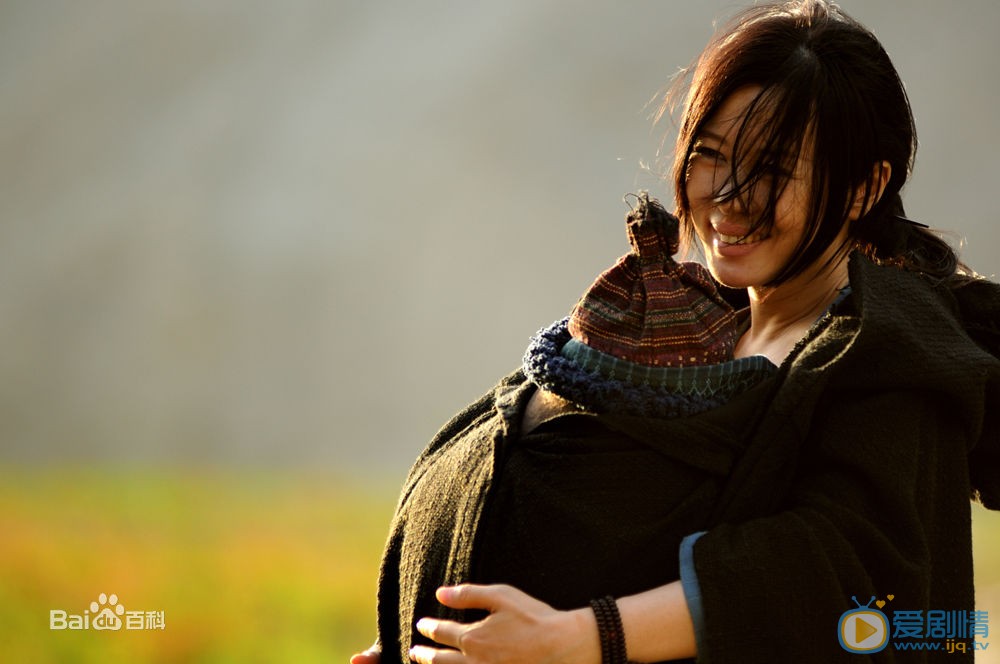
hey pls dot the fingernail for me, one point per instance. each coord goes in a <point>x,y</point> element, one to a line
<point>422,625</point>
<point>444,593</point>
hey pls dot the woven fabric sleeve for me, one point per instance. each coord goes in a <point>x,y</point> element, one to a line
<point>879,506</point>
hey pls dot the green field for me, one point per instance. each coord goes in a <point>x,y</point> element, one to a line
<point>245,566</point>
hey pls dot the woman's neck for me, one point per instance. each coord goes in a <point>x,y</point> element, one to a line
<point>781,315</point>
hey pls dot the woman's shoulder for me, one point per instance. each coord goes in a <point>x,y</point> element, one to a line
<point>911,311</point>
<point>939,336</point>
<point>902,330</point>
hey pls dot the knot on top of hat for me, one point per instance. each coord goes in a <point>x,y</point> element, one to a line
<point>650,309</point>
<point>652,231</point>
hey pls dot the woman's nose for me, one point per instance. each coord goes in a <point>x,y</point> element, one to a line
<point>728,198</point>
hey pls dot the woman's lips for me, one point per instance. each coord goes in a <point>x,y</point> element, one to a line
<point>734,243</point>
<point>735,235</point>
<point>730,238</point>
<point>731,250</point>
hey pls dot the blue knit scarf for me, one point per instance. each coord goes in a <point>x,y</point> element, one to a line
<point>601,383</point>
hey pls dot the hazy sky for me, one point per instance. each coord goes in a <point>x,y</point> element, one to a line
<point>256,233</point>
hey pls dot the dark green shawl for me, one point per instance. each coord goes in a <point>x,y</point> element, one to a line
<point>855,480</point>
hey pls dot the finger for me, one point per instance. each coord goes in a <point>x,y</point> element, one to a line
<point>425,655</point>
<point>366,657</point>
<point>472,596</point>
<point>445,632</point>
<point>371,656</point>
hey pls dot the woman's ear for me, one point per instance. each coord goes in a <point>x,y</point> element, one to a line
<point>869,193</point>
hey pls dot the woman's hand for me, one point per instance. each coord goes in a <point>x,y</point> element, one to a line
<point>519,629</point>
<point>371,656</point>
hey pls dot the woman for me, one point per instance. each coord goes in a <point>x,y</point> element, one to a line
<point>850,468</point>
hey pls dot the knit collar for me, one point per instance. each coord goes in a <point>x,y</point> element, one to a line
<point>602,383</point>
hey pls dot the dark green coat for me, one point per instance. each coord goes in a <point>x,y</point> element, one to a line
<point>853,479</point>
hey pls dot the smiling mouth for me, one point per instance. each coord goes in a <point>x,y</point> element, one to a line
<point>739,239</point>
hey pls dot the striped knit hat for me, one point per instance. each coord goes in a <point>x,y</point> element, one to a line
<point>651,337</point>
<point>650,309</point>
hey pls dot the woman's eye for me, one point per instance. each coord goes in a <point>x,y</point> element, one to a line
<point>707,153</point>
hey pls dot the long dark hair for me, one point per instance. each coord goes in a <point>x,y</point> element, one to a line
<point>829,87</point>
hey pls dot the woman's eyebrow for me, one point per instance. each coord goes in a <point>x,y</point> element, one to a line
<point>707,133</point>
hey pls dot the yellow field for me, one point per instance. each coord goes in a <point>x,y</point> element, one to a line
<point>245,566</point>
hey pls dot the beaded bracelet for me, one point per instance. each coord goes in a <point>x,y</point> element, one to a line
<point>610,630</point>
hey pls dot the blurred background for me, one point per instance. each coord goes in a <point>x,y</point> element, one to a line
<point>254,253</point>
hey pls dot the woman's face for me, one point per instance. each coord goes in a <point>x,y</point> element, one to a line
<point>755,260</point>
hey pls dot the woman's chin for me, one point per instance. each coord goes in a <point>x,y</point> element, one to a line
<point>728,276</point>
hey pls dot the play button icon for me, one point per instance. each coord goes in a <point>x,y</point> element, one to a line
<point>863,630</point>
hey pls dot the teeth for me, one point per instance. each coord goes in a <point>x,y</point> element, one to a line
<point>733,239</point>
<point>738,239</point>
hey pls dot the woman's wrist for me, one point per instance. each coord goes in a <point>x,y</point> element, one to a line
<point>585,643</point>
<point>658,624</point>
